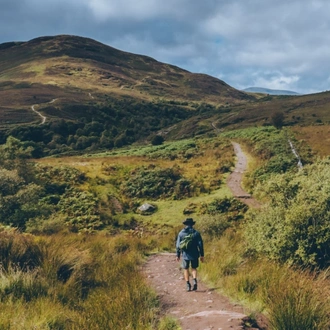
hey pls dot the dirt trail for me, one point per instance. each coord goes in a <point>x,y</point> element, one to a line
<point>43,118</point>
<point>203,309</point>
<point>235,178</point>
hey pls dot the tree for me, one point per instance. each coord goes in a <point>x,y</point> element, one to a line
<point>14,155</point>
<point>157,140</point>
<point>277,119</point>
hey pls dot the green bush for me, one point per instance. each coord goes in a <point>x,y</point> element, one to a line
<point>213,226</point>
<point>231,208</point>
<point>295,226</point>
<point>156,183</point>
<point>80,210</point>
<point>157,140</point>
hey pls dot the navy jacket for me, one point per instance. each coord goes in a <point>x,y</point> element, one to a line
<point>197,248</point>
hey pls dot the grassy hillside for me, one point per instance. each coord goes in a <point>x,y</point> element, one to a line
<point>75,69</point>
<point>89,204</point>
<point>303,110</point>
<point>92,97</point>
<point>105,106</point>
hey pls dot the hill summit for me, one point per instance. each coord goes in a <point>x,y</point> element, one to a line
<point>67,65</point>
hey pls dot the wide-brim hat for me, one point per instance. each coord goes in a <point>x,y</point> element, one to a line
<point>189,222</point>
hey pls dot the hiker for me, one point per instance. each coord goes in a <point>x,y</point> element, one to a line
<point>191,253</point>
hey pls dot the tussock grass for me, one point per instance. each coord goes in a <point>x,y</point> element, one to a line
<point>168,323</point>
<point>290,298</point>
<point>299,302</point>
<point>82,282</point>
<point>17,284</point>
<point>43,314</point>
<point>18,249</point>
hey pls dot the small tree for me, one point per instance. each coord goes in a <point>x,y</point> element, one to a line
<point>157,140</point>
<point>277,119</point>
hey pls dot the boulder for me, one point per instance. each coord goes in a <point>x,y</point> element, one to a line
<point>146,208</point>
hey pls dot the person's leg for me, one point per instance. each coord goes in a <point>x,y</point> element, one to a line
<point>194,266</point>
<point>186,274</point>
<point>185,266</point>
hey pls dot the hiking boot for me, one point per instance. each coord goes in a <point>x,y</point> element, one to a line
<point>195,287</point>
<point>188,287</point>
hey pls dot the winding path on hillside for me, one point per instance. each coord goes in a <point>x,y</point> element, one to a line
<point>43,118</point>
<point>204,309</point>
<point>234,181</point>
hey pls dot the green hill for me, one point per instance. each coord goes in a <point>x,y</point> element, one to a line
<point>76,69</point>
<point>66,93</point>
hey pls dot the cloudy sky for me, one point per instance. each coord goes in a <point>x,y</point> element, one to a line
<point>282,44</point>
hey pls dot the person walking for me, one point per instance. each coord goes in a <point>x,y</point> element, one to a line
<point>190,254</point>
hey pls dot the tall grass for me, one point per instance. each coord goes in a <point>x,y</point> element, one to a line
<point>299,302</point>
<point>81,282</point>
<point>291,299</point>
<point>18,249</point>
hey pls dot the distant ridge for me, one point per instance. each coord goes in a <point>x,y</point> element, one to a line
<point>269,91</point>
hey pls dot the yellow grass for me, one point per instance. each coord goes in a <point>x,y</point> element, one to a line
<point>317,137</point>
<point>201,169</point>
<point>171,212</point>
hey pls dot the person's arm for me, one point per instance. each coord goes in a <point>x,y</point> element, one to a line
<point>178,250</point>
<point>201,247</point>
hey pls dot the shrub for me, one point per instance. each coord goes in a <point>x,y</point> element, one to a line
<point>295,226</point>
<point>231,208</point>
<point>18,199</point>
<point>155,183</point>
<point>214,226</point>
<point>157,140</point>
<point>277,119</point>
<point>80,210</point>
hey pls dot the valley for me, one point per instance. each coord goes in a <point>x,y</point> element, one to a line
<point>89,133</point>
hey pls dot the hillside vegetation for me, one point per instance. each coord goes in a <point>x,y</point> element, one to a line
<point>94,97</point>
<point>90,204</point>
<point>73,237</point>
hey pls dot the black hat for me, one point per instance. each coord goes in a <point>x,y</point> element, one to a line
<point>189,222</point>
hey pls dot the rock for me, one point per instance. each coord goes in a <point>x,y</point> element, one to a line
<point>146,208</point>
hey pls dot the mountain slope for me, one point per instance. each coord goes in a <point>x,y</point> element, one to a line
<point>76,65</point>
<point>68,93</point>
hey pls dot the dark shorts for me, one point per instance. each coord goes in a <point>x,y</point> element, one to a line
<point>187,263</point>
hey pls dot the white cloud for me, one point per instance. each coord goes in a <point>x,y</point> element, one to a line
<point>276,81</point>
